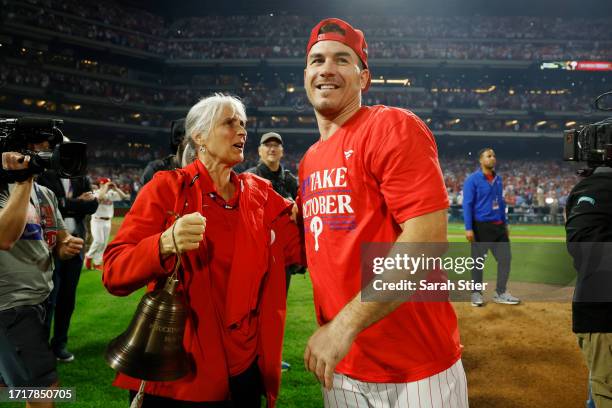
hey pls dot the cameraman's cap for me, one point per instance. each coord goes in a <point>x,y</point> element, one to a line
<point>352,37</point>
<point>271,136</point>
<point>103,180</point>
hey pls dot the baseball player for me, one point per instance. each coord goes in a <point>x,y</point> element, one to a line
<point>101,221</point>
<point>373,176</point>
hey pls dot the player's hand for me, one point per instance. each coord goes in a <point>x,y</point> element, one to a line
<point>188,233</point>
<point>325,348</point>
<point>87,196</point>
<point>469,235</point>
<point>70,247</point>
<point>14,161</point>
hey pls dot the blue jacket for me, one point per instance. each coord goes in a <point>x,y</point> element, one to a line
<point>479,198</point>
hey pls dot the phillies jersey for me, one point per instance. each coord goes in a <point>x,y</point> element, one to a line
<point>375,172</point>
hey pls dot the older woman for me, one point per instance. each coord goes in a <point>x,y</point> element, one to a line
<point>234,237</point>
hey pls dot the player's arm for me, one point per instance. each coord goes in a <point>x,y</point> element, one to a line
<point>358,315</point>
<point>332,341</point>
<point>102,191</point>
<point>122,195</point>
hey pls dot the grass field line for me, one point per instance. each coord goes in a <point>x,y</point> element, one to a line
<point>529,237</point>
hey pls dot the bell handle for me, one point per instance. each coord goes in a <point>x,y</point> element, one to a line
<point>174,275</point>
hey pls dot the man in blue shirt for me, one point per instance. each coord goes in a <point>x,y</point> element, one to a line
<point>486,225</point>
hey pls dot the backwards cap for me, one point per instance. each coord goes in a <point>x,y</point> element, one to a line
<point>352,37</point>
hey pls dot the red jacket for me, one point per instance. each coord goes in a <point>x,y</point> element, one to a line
<point>266,241</point>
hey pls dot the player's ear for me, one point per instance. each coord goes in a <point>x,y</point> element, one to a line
<point>364,78</point>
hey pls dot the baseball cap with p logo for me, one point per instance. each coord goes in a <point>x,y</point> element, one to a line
<point>349,36</point>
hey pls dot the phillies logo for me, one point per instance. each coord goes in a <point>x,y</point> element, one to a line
<point>51,238</point>
<point>316,227</point>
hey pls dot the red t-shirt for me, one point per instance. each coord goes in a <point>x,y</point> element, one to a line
<point>377,171</point>
<point>221,220</point>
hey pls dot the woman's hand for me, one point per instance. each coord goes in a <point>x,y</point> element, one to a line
<point>188,233</point>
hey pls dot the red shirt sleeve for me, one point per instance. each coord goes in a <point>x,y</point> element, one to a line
<point>404,159</point>
<point>132,259</point>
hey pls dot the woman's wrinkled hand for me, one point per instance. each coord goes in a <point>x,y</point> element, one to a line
<point>188,233</point>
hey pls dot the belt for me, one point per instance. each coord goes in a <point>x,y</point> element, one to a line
<point>102,218</point>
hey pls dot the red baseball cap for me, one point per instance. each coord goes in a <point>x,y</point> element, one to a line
<point>103,180</point>
<point>352,37</point>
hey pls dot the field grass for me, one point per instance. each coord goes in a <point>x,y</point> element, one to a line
<point>99,317</point>
<point>539,231</point>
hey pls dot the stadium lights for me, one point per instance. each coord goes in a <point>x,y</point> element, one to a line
<point>511,122</point>
<point>487,90</point>
<point>291,89</point>
<point>77,107</point>
<point>27,102</point>
<point>570,123</point>
<point>41,103</point>
<point>405,82</point>
<point>549,200</point>
<point>557,91</point>
<point>541,123</point>
<point>511,91</point>
<point>136,115</point>
<point>382,80</point>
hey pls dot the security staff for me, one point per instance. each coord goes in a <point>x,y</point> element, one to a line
<point>486,225</point>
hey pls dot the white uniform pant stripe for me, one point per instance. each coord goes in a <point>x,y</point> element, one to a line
<point>447,389</point>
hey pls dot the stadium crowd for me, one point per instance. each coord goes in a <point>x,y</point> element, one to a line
<point>528,183</point>
<point>439,94</point>
<point>401,37</point>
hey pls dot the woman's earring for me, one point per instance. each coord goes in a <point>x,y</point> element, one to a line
<point>202,149</point>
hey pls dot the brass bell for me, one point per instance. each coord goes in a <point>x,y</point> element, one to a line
<point>151,348</point>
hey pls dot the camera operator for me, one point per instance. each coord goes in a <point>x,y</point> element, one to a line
<point>589,240</point>
<point>170,162</point>
<point>76,200</point>
<point>31,231</point>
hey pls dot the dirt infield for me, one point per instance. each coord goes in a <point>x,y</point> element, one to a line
<point>521,356</point>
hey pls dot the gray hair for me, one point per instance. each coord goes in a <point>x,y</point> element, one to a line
<point>203,115</point>
<point>187,152</point>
